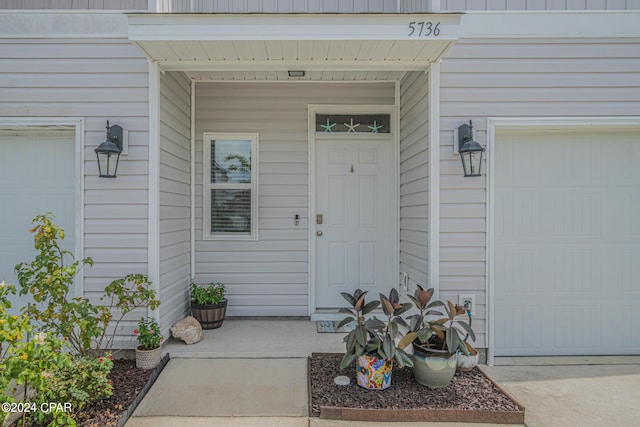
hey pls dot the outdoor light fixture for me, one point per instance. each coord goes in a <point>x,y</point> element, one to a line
<point>470,151</point>
<point>296,73</point>
<point>108,152</point>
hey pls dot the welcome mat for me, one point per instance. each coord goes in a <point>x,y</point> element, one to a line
<point>331,326</point>
<point>472,397</point>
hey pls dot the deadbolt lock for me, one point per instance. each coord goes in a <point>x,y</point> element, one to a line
<point>319,219</point>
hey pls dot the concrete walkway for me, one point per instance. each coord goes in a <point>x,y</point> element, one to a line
<point>232,390</point>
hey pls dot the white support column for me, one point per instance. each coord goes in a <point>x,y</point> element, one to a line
<point>434,177</point>
<point>154,183</point>
<point>193,179</point>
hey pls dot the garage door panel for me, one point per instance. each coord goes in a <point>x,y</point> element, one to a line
<point>567,247</point>
<point>37,176</point>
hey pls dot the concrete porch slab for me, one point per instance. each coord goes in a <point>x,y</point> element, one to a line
<point>229,388</point>
<point>566,360</point>
<point>259,339</point>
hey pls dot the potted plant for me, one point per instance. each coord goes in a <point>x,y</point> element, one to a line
<point>372,342</point>
<point>208,304</point>
<point>435,342</point>
<point>149,340</point>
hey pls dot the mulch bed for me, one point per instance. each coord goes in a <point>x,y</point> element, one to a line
<point>128,381</point>
<point>471,397</point>
<point>129,386</point>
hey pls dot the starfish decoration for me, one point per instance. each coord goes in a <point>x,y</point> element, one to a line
<point>328,126</point>
<point>375,127</point>
<point>351,127</point>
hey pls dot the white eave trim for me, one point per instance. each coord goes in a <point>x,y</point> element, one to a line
<point>550,24</point>
<point>175,27</point>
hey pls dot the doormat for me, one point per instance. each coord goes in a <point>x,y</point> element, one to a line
<point>472,397</point>
<point>331,326</point>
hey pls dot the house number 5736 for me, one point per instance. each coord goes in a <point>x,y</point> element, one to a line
<point>424,29</point>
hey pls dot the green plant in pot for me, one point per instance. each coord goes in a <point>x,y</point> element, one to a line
<point>208,304</point>
<point>149,340</point>
<point>372,342</point>
<point>435,342</point>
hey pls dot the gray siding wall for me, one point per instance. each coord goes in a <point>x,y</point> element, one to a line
<point>460,5</point>
<point>508,78</point>
<point>270,276</point>
<point>97,80</point>
<point>175,197</point>
<point>414,172</point>
<point>75,4</point>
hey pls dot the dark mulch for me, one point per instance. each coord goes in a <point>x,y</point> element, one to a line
<point>128,381</point>
<point>468,391</point>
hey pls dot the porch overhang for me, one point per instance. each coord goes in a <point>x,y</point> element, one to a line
<point>273,43</point>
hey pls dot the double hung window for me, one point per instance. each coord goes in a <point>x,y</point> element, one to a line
<point>230,186</point>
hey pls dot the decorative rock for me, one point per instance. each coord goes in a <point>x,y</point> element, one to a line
<point>188,330</point>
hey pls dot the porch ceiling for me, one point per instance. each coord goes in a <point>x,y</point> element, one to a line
<point>264,47</point>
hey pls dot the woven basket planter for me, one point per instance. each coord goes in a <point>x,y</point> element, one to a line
<point>210,316</point>
<point>147,359</point>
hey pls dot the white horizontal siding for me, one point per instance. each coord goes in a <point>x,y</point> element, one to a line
<point>175,198</point>
<point>97,80</point>
<point>414,171</point>
<point>75,4</point>
<point>269,277</point>
<point>461,5</point>
<point>526,78</point>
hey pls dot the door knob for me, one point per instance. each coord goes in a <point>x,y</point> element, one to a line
<point>318,233</point>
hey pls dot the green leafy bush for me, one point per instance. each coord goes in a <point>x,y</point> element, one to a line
<point>80,382</point>
<point>207,295</point>
<point>49,278</point>
<point>148,333</point>
<point>26,357</point>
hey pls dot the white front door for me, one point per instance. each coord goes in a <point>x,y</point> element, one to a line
<point>354,217</point>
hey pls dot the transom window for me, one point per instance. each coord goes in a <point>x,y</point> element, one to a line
<point>230,186</point>
<point>353,123</point>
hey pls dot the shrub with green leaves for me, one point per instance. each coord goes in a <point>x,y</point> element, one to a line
<point>26,356</point>
<point>49,279</point>
<point>80,382</point>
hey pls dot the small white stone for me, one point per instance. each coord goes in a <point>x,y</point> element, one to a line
<point>342,380</point>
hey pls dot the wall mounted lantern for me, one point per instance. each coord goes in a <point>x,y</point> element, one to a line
<point>108,152</point>
<point>470,151</point>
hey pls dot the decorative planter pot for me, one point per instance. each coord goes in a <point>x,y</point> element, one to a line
<point>467,363</point>
<point>374,373</point>
<point>147,359</point>
<point>210,316</point>
<point>433,368</point>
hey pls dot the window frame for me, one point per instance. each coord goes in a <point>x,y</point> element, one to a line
<point>207,185</point>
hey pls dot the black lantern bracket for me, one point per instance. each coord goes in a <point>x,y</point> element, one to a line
<point>471,153</point>
<point>109,151</point>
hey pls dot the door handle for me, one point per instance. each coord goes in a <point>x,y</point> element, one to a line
<point>319,233</point>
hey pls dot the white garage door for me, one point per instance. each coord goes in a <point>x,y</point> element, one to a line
<point>567,243</point>
<point>37,175</point>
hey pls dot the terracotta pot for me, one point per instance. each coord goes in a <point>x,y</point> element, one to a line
<point>433,368</point>
<point>210,316</point>
<point>374,373</point>
<point>147,359</point>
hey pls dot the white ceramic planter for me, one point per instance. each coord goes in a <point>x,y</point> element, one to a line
<point>467,363</point>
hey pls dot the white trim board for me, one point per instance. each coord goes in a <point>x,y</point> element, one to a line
<point>549,123</point>
<point>314,109</point>
<point>77,124</point>
<point>434,178</point>
<point>154,184</point>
